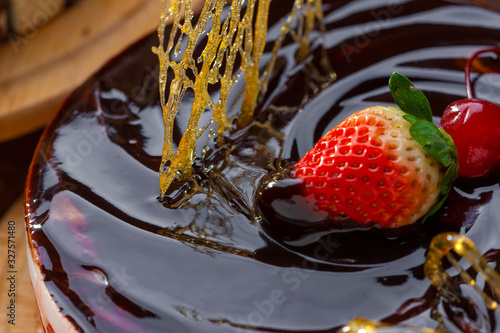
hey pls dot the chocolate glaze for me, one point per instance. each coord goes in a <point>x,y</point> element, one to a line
<point>115,259</point>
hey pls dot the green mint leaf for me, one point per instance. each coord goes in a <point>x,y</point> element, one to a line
<point>439,144</point>
<point>409,99</point>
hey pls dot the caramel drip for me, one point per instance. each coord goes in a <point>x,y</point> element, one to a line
<point>360,325</point>
<point>441,247</point>
<point>235,38</point>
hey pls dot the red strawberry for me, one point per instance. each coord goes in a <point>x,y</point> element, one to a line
<point>381,166</point>
<point>370,169</point>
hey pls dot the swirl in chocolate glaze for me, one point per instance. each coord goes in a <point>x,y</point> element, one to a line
<point>115,259</point>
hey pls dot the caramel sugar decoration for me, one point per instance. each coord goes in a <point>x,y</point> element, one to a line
<point>442,246</point>
<point>241,36</point>
<point>361,325</point>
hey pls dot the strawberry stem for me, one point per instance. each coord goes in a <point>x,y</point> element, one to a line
<point>468,66</point>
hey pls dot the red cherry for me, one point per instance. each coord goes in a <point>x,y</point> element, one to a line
<point>474,125</point>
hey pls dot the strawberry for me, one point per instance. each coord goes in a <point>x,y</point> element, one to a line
<point>381,166</point>
<point>370,169</point>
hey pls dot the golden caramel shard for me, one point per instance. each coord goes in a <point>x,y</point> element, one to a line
<point>361,325</point>
<point>441,247</point>
<point>240,37</point>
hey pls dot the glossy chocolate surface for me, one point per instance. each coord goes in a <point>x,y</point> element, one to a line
<point>115,259</point>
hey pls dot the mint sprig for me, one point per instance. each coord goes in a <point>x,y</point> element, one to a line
<point>435,141</point>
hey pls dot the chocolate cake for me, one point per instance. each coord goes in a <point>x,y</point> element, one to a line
<point>109,256</point>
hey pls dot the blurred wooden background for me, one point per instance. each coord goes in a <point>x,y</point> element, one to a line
<point>38,70</point>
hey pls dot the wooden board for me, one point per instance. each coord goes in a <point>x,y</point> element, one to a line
<point>26,310</point>
<point>38,71</point>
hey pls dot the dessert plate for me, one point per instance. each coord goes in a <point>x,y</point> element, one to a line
<point>107,255</point>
